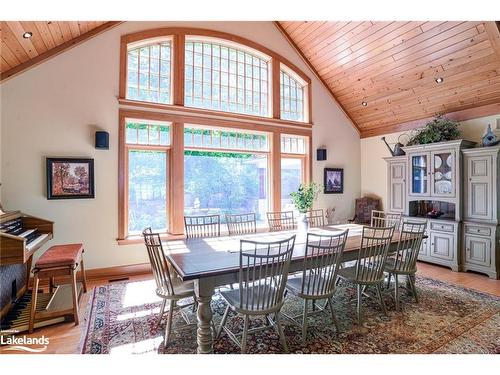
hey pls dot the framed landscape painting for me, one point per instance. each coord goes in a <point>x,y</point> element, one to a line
<point>70,178</point>
<point>334,180</point>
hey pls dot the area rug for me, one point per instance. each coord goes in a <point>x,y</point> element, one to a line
<point>122,318</point>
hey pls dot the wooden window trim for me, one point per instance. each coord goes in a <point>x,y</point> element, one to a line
<point>179,36</point>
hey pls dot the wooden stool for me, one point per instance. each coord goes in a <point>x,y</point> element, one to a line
<point>59,260</point>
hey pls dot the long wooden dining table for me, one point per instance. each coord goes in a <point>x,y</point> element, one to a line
<point>214,262</point>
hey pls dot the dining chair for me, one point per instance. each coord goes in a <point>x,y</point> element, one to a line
<point>322,258</point>
<point>241,223</point>
<point>369,267</point>
<point>404,261</point>
<point>262,279</point>
<point>281,220</point>
<point>202,226</point>
<point>168,287</point>
<point>385,219</point>
<point>315,218</point>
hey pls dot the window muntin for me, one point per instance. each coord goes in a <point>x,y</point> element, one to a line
<point>221,138</point>
<point>147,190</point>
<point>292,97</point>
<point>147,133</point>
<point>293,144</point>
<point>220,76</point>
<point>149,72</point>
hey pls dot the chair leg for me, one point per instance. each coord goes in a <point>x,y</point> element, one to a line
<point>304,322</point>
<point>34,297</point>
<point>334,318</point>
<point>280,331</point>
<point>74,290</point>
<point>168,326</point>
<point>51,284</point>
<point>389,275</point>
<point>244,337</point>
<point>413,288</point>
<point>222,323</point>
<point>162,311</point>
<point>360,293</point>
<point>396,291</point>
<point>379,292</point>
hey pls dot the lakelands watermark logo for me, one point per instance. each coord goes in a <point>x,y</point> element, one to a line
<point>24,343</point>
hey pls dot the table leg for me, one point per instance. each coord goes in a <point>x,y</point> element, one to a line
<point>204,290</point>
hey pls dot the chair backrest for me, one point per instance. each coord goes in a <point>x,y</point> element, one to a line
<point>321,263</point>
<point>363,209</point>
<point>159,264</point>
<point>241,224</point>
<point>283,220</point>
<point>263,273</point>
<point>202,226</point>
<point>316,218</point>
<point>410,239</point>
<point>373,253</point>
<point>382,219</point>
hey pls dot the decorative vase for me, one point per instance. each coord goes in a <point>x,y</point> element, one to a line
<point>302,223</point>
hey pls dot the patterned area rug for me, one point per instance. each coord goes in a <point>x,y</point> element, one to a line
<point>122,318</point>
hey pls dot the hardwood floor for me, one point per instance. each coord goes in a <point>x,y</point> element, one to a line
<point>64,337</point>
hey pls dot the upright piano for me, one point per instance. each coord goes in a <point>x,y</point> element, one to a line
<point>21,236</point>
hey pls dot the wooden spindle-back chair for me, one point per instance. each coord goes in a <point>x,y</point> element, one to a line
<point>241,223</point>
<point>381,219</point>
<point>315,218</point>
<point>202,226</point>
<point>281,220</point>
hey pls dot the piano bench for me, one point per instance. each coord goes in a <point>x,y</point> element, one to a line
<point>58,260</point>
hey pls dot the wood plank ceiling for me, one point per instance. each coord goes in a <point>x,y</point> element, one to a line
<point>392,67</point>
<point>47,39</point>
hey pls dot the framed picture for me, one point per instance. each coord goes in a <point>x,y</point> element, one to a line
<point>69,178</point>
<point>334,180</point>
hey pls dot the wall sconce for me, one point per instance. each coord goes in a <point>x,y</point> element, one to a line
<point>321,154</point>
<point>102,140</point>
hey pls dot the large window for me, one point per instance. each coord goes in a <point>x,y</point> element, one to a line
<point>147,147</point>
<point>292,98</point>
<point>149,70</point>
<point>225,78</point>
<point>293,151</point>
<point>220,181</point>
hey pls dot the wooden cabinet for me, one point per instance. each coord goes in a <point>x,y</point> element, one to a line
<point>481,248</point>
<point>396,184</point>
<point>442,245</point>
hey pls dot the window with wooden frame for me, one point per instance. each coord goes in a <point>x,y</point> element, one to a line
<point>211,137</point>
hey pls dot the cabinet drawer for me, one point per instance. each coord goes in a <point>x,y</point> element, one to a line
<point>442,227</point>
<point>477,230</point>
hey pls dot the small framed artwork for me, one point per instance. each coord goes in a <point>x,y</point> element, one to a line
<point>70,178</point>
<point>334,181</point>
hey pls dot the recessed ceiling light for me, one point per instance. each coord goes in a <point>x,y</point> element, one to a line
<point>439,80</point>
<point>364,104</point>
<point>27,35</point>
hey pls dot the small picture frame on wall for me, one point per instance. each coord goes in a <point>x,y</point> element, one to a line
<point>70,178</point>
<point>334,180</point>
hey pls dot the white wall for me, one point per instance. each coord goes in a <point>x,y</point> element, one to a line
<point>55,108</point>
<point>373,150</point>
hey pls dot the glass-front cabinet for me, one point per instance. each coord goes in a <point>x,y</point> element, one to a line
<point>443,174</point>
<point>419,174</point>
<point>433,174</point>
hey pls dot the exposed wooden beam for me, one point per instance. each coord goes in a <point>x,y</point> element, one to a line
<point>57,50</point>
<point>493,31</point>
<point>466,114</point>
<point>315,72</point>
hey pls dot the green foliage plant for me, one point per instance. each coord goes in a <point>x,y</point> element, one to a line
<point>305,196</point>
<point>440,129</point>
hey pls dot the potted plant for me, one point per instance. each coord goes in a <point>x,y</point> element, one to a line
<point>303,200</point>
<point>440,129</point>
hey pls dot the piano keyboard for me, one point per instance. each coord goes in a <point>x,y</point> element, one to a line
<point>36,241</point>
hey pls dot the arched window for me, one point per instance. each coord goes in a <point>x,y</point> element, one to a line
<point>226,77</point>
<point>149,71</point>
<point>292,98</point>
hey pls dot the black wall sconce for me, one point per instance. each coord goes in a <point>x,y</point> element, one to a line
<point>321,154</point>
<point>102,140</point>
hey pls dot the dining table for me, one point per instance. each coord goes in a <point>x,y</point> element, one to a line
<point>215,262</point>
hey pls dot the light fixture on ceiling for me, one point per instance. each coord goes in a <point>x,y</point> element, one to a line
<point>27,35</point>
<point>364,104</point>
<point>439,80</point>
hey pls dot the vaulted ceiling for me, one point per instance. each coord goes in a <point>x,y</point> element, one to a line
<point>388,75</point>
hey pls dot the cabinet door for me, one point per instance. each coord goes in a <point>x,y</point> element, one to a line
<point>397,187</point>
<point>442,245</point>
<point>443,173</point>
<point>419,174</point>
<point>478,250</point>
<point>424,248</point>
<point>478,191</point>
